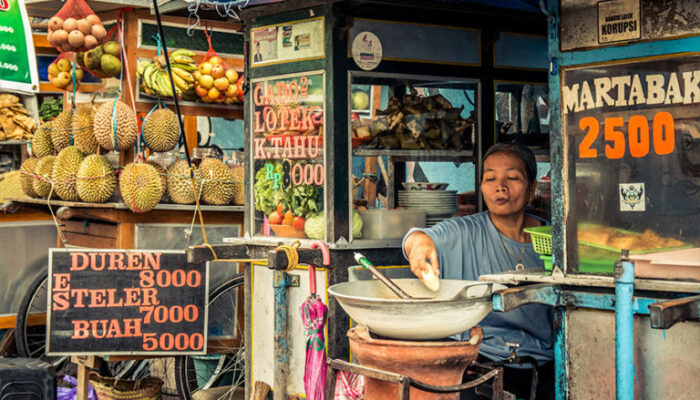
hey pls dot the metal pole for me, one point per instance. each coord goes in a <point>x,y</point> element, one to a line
<point>624,327</point>
<point>280,279</point>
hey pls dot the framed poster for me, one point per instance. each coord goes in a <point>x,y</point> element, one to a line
<point>291,41</point>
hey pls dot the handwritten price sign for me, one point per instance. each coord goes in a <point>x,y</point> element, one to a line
<point>126,302</point>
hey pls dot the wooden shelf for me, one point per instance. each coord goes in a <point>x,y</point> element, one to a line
<point>230,111</point>
<point>122,206</point>
<point>417,155</point>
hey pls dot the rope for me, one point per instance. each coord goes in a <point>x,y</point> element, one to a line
<point>55,220</point>
<point>292,254</point>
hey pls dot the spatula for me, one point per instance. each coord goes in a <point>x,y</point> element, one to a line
<point>362,260</point>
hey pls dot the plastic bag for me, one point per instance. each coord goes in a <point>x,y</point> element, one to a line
<point>215,81</point>
<point>105,60</point>
<point>75,27</point>
<point>71,393</point>
<point>61,72</point>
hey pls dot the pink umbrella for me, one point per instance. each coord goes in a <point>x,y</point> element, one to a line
<point>313,316</point>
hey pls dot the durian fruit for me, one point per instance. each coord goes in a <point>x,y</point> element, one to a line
<point>216,181</point>
<point>126,126</point>
<point>83,134</point>
<point>62,130</point>
<point>161,130</point>
<point>42,185</point>
<point>41,142</point>
<point>179,183</point>
<point>65,167</point>
<point>95,180</point>
<point>140,187</point>
<point>162,174</point>
<point>26,176</point>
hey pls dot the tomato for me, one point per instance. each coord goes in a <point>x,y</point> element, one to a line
<point>275,218</point>
<point>298,223</point>
<point>280,208</point>
<point>288,218</point>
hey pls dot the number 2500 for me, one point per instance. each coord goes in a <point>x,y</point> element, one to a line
<point>662,132</point>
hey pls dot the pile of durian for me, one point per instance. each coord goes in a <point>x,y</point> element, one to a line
<point>67,163</point>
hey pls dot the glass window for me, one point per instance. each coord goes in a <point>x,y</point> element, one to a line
<point>633,132</point>
<point>287,125</point>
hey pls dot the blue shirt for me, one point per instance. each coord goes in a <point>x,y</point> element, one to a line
<point>468,247</point>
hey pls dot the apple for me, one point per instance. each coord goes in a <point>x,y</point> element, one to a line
<point>218,71</point>
<point>215,60</point>
<point>231,91</point>
<point>213,94</point>
<point>221,84</point>
<point>201,91</point>
<point>205,68</point>
<point>232,76</point>
<point>206,81</point>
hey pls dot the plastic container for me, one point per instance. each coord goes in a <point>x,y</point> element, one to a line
<point>585,265</point>
<point>676,264</point>
<point>26,378</point>
<point>381,223</point>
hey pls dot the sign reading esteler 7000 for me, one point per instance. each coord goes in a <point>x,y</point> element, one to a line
<point>121,302</point>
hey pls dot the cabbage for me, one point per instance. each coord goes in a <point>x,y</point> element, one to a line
<point>356,224</point>
<point>315,226</point>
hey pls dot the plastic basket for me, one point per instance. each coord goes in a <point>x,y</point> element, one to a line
<point>541,239</point>
<point>590,266</point>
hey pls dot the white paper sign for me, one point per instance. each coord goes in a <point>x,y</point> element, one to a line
<point>632,197</point>
<point>367,50</point>
<point>618,20</point>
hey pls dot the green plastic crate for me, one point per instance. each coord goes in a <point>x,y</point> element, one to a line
<point>585,265</point>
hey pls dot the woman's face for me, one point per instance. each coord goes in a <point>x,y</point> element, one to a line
<point>504,184</point>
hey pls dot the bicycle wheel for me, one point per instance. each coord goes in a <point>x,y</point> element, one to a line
<point>30,328</point>
<point>223,368</point>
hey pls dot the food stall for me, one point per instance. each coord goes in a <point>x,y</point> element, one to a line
<point>115,68</point>
<point>431,98</point>
<point>623,95</point>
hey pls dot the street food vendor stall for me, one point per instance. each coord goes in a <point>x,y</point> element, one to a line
<point>334,85</point>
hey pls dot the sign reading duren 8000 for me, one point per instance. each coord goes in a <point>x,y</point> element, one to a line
<point>125,302</point>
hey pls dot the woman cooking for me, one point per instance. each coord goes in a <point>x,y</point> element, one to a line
<point>493,242</point>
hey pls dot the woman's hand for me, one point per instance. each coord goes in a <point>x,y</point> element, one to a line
<point>419,248</point>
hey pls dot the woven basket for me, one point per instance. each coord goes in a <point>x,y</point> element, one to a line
<point>123,389</point>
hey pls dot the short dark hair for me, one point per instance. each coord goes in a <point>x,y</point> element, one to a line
<point>519,150</point>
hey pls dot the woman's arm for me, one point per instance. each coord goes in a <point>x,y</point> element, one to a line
<point>419,247</point>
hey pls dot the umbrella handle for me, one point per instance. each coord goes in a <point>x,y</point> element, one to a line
<point>326,261</point>
<point>324,251</point>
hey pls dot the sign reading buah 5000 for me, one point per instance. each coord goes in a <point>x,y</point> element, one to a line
<point>126,302</point>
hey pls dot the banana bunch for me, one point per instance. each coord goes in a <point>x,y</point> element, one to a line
<point>155,79</point>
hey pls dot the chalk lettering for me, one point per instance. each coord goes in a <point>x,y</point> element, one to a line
<point>61,282</point>
<point>61,301</point>
<point>77,265</point>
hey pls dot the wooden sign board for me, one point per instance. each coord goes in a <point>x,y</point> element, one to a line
<point>126,302</point>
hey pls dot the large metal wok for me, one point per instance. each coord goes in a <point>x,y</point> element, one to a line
<point>456,307</point>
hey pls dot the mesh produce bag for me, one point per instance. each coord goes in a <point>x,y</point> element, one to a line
<point>61,72</point>
<point>105,60</point>
<point>216,81</point>
<point>75,27</point>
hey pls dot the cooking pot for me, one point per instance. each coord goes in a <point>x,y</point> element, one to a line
<point>457,306</point>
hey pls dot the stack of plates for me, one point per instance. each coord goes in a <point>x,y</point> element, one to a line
<point>438,204</point>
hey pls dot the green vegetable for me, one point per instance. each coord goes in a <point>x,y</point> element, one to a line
<point>303,200</point>
<point>315,226</point>
<point>49,109</point>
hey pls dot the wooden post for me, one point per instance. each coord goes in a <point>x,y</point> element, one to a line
<point>84,364</point>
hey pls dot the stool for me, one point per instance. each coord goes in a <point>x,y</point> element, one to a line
<point>26,379</point>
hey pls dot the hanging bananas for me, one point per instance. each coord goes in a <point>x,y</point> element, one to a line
<point>155,80</point>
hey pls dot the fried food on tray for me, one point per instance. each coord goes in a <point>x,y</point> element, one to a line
<point>611,237</point>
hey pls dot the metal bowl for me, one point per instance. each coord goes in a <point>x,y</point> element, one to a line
<point>457,306</point>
